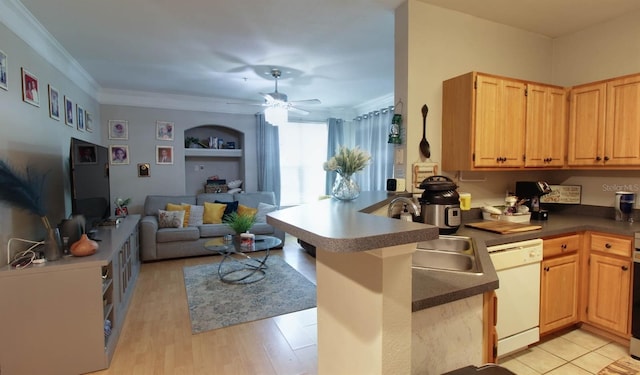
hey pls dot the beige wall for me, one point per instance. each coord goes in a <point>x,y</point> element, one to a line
<point>607,50</point>
<point>434,44</point>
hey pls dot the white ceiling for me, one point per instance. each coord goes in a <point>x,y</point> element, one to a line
<point>340,52</point>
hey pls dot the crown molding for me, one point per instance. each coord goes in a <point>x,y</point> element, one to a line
<point>374,104</point>
<point>18,19</point>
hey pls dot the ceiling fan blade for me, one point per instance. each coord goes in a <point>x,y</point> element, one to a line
<point>266,97</point>
<point>307,101</point>
<point>298,111</point>
<point>251,104</point>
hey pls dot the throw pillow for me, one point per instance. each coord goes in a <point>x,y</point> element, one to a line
<point>248,211</point>
<point>263,210</point>
<point>231,207</point>
<point>181,207</point>
<point>170,219</point>
<point>213,213</point>
<point>196,215</point>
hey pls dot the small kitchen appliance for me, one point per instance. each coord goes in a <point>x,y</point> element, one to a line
<point>531,191</point>
<point>440,204</point>
<point>623,205</point>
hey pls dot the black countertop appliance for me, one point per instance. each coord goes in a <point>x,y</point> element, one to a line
<point>440,204</point>
<point>532,191</point>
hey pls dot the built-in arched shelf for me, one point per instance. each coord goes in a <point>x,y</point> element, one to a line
<point>202,163</point>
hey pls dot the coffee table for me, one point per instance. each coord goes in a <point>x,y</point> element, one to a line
<point>242,268</point>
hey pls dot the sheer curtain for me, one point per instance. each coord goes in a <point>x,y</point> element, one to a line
<point>268,153</point>
<point>371,134</point>
<point>335,129</point>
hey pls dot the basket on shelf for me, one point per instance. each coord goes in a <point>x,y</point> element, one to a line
<point>216,188</point>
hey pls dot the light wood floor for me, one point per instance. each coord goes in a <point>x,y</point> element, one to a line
<point>156,337</point>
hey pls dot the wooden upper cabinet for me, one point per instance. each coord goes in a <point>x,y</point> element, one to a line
<point>545,126</point>
<point>604,123</point>
<point>499,125</point>
<point>622,130</point>
<point>483,122</point>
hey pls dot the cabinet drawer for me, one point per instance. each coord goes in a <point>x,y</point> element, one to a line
<point>611,245</point>
<point>561,245</point>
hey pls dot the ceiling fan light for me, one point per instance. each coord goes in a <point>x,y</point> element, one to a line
<point>276,115</point>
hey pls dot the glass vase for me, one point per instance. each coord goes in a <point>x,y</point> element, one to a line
<point>53,245</point>
<point>345,188</point>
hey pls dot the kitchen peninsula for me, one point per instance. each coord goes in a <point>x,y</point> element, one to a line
<point>367,326</point>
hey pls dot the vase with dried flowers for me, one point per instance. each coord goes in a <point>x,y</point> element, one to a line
<point>24,191</point>
<point>346,162</point>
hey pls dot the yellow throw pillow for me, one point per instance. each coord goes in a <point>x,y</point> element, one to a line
<point>213,213</point>
<point>247,211</point>
<point>181,207</point>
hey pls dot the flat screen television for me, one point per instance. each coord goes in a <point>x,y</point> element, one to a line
<point>90,193</point>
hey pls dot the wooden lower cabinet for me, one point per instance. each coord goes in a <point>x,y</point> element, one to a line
<point>609,292</point>
<point>490,335</point>
<point>559,292</point>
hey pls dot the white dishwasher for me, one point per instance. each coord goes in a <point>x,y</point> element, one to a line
<point>518,267</point>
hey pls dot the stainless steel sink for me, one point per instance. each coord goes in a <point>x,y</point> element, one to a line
<point>447,253</point>
<point>448,243</point>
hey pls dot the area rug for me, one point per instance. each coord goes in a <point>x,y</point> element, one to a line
<point>623,366</point>
<point>214,304</point>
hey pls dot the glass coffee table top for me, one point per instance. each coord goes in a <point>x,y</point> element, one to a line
<point>236,267</point>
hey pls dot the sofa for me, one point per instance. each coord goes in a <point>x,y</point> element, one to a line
<point>157,242</point>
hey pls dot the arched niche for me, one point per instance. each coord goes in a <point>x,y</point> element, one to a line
<point>207,160</point>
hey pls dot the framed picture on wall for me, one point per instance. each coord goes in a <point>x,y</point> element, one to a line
<point>164,130</point>
<point>68,111</point>
<point>88,121</point>
<point>3,70</point>
<point>118,129</point>
<point>144,169</point>
<point>54,103</point>
<point>80,118</point>
<point>119,154</point>
<point>30,88</point>
<point>164,154</point>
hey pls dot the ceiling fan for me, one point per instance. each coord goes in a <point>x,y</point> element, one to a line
<point>279,100</point>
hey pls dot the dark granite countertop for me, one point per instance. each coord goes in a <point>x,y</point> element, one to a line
<point>347,226</point>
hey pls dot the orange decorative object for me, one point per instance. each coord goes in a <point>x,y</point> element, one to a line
<point>84,246</point>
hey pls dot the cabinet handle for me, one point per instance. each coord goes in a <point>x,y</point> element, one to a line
<point>625,268</point>
<point>606,158</point>
<point>598,158</point>
<point>547,269</point>
<point>563,247</point>
<point>607,245</point>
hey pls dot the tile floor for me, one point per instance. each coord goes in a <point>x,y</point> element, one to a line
<point>577,352</point>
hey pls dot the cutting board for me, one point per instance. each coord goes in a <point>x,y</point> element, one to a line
<point>503,227</point>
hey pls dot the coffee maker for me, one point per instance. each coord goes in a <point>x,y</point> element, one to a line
<point>532,191</point>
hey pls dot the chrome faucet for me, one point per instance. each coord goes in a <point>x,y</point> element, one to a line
<point>413,208</point>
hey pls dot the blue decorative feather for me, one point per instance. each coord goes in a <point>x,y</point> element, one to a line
<point>22,190</point>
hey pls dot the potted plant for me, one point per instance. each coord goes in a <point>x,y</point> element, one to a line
<point>238,222</point>
<point>121,206</point>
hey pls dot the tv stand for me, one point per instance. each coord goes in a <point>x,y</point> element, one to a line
<point>54,314</point>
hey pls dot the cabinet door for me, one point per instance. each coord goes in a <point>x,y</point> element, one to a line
<point>559,292</point>
<point>586,125</point>
<point>499,122</point>
<point>609,292</point>
<point>622,134</point>
<point>545,126</point>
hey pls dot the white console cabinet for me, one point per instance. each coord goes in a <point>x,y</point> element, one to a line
<point>52,316</point>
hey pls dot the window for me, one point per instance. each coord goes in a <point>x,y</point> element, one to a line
<point>303,150</point>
